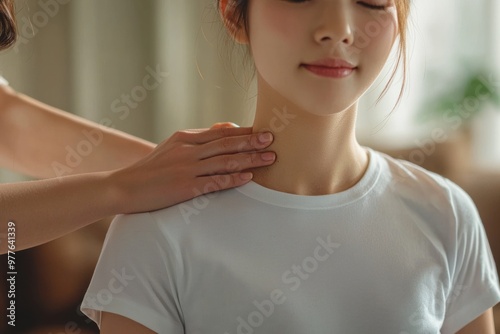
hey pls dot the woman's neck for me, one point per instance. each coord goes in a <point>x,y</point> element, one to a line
<point>316,155</point>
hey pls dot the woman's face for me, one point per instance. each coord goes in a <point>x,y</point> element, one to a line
<point>321,55</point>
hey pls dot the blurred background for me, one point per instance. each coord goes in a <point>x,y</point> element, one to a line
<point>90,57</point>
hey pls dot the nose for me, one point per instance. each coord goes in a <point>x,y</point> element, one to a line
<point>334,24</point>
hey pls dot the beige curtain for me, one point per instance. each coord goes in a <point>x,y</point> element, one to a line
<point>173,45</point>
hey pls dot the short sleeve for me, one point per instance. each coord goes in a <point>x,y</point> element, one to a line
<point>135,276</point>
<point>3,82</point>
<point>475,286</point>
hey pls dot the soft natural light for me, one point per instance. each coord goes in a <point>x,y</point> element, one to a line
<point>449,42</point>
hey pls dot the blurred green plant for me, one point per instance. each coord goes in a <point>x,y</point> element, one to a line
<point>467,97</point>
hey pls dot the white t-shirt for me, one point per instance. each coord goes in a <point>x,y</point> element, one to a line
<point>403,251</point>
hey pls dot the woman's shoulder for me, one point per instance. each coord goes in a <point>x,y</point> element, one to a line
<point>146,222</point>
<point>169,223</point>
<point>415,183</point>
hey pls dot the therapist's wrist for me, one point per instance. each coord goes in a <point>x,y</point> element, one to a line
<point>119,195</point>
<point>111,197</point>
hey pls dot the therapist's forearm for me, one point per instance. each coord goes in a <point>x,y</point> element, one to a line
<point>48,209</point>
<point>44,142</point>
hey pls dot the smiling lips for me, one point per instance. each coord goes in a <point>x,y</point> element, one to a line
<point>331,68</point>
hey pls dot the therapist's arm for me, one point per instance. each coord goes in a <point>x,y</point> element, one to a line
<point>39,140</point>
<point>188,164</point>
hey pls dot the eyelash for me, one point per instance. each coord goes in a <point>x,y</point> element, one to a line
<point>370,6</point>
<point>364,4</point>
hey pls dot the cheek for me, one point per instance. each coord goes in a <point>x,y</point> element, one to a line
<point>376,36</point>
<point>272,28</point>
<point>273,19</point>
<point>274,35</point>
<point>372,25</point>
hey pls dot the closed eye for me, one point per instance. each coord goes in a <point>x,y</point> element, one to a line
<point>370,6</point>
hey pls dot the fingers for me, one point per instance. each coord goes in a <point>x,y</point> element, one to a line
<point>239,144</point>
<point>209,184</point>
<point>225,164</point>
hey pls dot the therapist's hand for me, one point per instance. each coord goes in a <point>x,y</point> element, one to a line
<point>189,164</point>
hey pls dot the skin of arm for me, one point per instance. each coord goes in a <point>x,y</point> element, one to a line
<point>122,175</point>
<point>484,324</point>
<point>47,209</point>
<point>27,124</point>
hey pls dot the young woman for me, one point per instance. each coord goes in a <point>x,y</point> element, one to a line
<point>123,174</point>
<point>334,237</point>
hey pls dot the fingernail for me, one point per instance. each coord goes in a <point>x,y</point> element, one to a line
<point>246,176</point>
<point>265,137</point>
<point>268,156</point>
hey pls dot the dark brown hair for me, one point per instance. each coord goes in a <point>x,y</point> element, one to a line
<point>8,29</point>
<point>240,10</point>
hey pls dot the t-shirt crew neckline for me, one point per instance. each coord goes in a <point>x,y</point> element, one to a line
<point>282,199</point>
